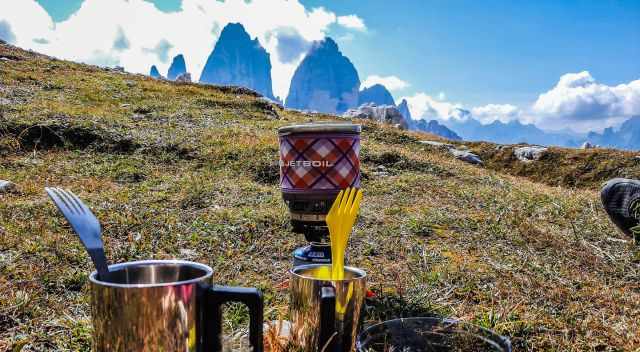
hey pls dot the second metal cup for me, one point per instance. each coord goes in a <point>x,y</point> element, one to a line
<point>325,314</point>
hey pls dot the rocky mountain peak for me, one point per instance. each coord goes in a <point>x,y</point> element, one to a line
<point>403,107</point>
<point>325,81</point>
<point>239,61</point>
<point>154,72</point>
<point>377,94</point>
<point>177,68</point>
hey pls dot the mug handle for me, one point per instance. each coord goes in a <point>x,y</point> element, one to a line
<point>326,340</point>
<point>215,297</point>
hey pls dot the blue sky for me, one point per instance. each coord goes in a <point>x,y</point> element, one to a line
<point>499,59</point>
<point>487,51</point>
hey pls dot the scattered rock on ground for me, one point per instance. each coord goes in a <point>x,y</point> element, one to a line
<point>271,101</point>
<point>438,144</point>
<point>529,153</point>
<point>185,77</point>
<point>384,113</point>
<point>7,187</point>
<point>587,145</point>
<point>466,156</point>
<point>188,253</point>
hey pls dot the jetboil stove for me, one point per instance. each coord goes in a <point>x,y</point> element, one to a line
<point>316,162</point>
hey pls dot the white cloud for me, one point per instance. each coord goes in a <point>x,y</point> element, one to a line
<point>352,22</point>
<point>424,106</point>
<point>580,101</point>
<point>492,112</point>
<point>577,102</point>
<point>5,32</point>
<point>94,34</point>
<point>390,82</point>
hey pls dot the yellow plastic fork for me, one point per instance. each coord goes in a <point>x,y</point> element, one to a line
<point>340,220</point>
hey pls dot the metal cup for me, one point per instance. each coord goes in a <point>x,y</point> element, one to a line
<point>325,314</point>
<point>165,305</point>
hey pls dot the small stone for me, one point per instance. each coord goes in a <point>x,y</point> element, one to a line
<point>437,144</point>
<point>466,156</point>
<point>529,153</point>
<point>384,113</point>
<point>279,328</point>
<point>185,78</point>
<point>187,253</point>
<point>274,102</point>
<point>381,168</point>
<point>7,187</point>
<point>587,145</point>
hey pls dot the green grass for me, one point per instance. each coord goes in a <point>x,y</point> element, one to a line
<point>188,171</point>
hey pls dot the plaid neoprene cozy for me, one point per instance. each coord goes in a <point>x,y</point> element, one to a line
<point>319,162</point>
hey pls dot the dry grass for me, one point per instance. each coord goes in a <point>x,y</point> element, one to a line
<point>186,171</point>
<point>563,166</point>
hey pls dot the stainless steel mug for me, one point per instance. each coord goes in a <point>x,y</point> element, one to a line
<point>325,314</point>
<point>165,305</point>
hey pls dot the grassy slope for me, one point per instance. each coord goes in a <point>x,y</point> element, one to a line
<point>186,171</point>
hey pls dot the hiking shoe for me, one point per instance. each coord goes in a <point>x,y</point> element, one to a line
<point>621,200</point>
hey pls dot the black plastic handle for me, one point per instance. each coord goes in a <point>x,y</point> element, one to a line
<point>216,296</point>
<point>326,341</point>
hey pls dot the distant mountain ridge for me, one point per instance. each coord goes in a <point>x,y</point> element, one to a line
<point>625,137</point>
<point>433,127</point>
<point>467,127</point>
<point>326,81</point>
<point>238,60</point>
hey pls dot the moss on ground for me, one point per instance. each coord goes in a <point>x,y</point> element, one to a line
<point>188,171</point>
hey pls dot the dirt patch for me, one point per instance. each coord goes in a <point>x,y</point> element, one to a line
<point>25,137</point>
<point>258,104</point>
<point>395,161</point>
<point>266,173</point>
<point>48,136</point>
<point>238,90</point>
<point>9,57</point>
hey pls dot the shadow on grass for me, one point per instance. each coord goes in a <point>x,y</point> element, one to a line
<point>386,306</point>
